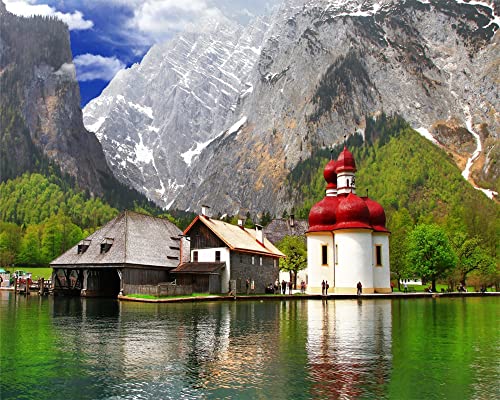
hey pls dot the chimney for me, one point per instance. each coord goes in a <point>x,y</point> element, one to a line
<point>292,220</point>
<point>204,210</point>
<point>259,234</point>
<point>240,223</point>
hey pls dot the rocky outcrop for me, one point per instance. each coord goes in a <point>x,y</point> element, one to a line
<point>41,119</point>
<point>156,116</point>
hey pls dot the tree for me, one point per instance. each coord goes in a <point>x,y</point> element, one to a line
<point>429,253</point>
<point>471,256</point>
<point>10,236</point>
<point>399,224</point>
<point>295,249</point>
<point>31,246</point>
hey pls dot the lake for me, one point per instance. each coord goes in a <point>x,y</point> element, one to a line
<point>74,348</point>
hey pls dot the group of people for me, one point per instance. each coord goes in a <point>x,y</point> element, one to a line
<point>324,288</point>
<point>281,287</point>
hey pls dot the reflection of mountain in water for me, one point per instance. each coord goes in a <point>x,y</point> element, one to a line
<point>349,347</point>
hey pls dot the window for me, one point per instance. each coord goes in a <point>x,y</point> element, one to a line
<point>378,255</point>
<point>260,260</point>
<point>241,258</point>
<point>336,254</point>
<point>83,246</point>
<point>253,260</point>
<point>106,245</point>
<point>195,256</point>
<point>217,255</point>
<point>324,254</point>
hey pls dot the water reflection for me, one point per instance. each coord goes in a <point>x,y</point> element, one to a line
<point>67,348</point>
<point>349,347</point>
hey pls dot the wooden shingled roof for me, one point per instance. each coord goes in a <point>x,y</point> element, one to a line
<point>237,238</point>
<point>136,239</point>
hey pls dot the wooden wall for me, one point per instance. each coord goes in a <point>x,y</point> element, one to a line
<point>203,238</point>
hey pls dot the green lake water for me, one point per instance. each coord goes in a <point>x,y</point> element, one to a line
<point>72,348</point>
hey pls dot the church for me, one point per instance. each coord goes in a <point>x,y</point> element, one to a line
<point>347,241</point>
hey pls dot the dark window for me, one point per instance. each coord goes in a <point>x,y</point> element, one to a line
<point>195,256</point>
<point>324,255</point>
<point>378,255</point>
<point>106,245</point>
<point>241,258</point>
<point>83,246</point>
<point>217,255</point>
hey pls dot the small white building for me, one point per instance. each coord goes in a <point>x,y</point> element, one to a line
<point>347,241</point>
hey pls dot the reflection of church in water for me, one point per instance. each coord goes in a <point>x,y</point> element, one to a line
<point>347,241</point>
<point>349,348</point>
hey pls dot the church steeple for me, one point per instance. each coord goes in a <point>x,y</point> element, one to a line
<point>345,169</point>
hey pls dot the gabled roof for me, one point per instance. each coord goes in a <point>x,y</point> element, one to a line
<point>137,239</point>
<point>237,238</point>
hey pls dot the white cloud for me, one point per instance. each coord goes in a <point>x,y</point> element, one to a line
<point>161,19</point>
<point>26,8</point>
<point>90,67</point>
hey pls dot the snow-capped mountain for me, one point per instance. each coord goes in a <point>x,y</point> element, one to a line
<point>310,76</point>
<point>156,116</point>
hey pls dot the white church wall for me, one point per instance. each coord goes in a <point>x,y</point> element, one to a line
<point>381,273</point>
<point>354,261</point>
<point>316,271</point>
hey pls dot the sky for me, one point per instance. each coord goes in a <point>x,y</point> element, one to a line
<point>109,35</point>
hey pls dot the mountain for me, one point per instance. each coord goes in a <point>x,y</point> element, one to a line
<point>41,126</point>
<point>320,71</point>
<point>154,117</point>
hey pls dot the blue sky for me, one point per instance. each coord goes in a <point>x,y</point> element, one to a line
<point>108,35</point>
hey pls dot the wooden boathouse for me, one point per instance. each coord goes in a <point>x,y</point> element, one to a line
<point>130,252</point>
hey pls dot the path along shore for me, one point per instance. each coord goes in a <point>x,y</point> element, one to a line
<point>244,297</point>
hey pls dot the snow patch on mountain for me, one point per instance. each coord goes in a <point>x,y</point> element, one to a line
<point>426,134</point>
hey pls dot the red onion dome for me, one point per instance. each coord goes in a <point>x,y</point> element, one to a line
<point>352,212</point>
<point>330,174</point>
<point>345,162</point>
<point>322,215</point>
<point>377,215</point>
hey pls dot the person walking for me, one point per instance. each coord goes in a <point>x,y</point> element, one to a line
<point>247,283</point>
<point>283,286</point>
<point>326,288</point>
<point>359,286</point>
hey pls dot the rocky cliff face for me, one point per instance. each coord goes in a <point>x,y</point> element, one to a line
<point>40,114</point>
<point>155,117</point>
<point>322,68</point>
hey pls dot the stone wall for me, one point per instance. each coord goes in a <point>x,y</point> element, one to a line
<point>242,269</point>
